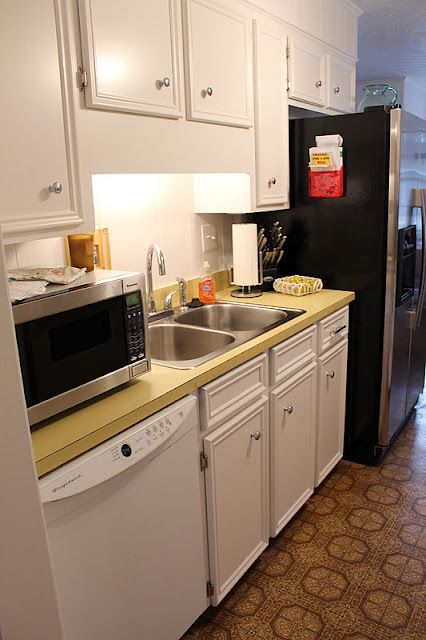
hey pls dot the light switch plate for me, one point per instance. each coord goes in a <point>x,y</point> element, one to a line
<point>209,237</point>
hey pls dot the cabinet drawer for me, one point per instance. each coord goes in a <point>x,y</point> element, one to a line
<point>228,395</point>
<point>333,328</point>
<point>292,355</point>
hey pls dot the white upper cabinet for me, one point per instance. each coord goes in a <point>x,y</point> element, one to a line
<point>307,71</point>
<point>218,64</point>
<point>341,84</point>
<point>131,55</point>
<point>343,27</point>
<point>271,117</point>
<point>42,181</point>
<point>315,17</point>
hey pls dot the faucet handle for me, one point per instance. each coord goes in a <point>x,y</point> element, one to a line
<point>182,293</point>
<point>168,302</point>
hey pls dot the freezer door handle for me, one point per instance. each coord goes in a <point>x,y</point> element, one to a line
<point>419,200</point>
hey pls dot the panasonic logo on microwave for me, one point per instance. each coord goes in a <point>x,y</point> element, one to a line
<point>65,484</point>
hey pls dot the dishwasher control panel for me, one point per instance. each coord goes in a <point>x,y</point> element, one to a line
<point>145,441</point>
<point>122,451</point>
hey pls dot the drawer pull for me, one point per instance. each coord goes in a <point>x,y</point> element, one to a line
<point>330,374</point>
<point>256,435</point>
<point>334,332</point>
<point>289,409</point>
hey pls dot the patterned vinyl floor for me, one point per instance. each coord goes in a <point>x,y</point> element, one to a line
<point>351,565</point>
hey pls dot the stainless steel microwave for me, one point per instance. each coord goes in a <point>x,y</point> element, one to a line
<point>80,340</point>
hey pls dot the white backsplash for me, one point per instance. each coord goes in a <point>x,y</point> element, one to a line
<point>38,253</point>
<point>140,209</point>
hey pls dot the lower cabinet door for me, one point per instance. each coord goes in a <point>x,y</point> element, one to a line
<point>237,482</point>
<point>331,409</point>
<point>292,445</point>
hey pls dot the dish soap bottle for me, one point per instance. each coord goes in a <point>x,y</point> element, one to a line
<point>207,287</point>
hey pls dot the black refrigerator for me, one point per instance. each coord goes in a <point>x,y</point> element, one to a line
<point>370,241</point>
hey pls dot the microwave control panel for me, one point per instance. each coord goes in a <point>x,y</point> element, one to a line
<point>135,327</point>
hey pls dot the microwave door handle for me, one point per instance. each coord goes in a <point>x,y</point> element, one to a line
<point>420,201</point>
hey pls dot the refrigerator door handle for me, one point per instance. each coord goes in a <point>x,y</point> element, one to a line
<point>419,200</point>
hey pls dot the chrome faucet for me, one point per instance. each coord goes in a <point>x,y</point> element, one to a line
<point>183,305</point>
<point>153,248</point>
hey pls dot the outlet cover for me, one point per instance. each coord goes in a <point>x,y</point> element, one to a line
<point>209,237</point>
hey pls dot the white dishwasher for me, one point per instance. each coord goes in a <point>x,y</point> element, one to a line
<point>126,528</point>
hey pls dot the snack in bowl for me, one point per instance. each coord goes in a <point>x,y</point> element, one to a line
<point>298,285</point>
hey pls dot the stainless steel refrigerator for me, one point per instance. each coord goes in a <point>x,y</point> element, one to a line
<point>371,241</point>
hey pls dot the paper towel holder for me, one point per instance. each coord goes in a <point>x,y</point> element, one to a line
<point>250,290</point>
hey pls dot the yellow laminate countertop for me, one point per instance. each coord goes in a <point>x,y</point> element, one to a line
<point>63,438</point>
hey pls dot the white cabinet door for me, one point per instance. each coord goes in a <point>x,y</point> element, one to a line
<point>292,445</point>
<point>219,64</point>
<point>271,118</point>
<point>307,71</point>
<point>343,27</point>
<point>237,496</point>
<point>131,55</point>
<point>41,184</point>
<point>331,409</point>
<point>341,83</point>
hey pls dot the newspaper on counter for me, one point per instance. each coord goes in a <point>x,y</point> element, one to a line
<point>23,290</point>
<point>56,275</point>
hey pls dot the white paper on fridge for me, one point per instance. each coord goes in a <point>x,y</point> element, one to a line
<point>325,158</point>
<point>333,140</point>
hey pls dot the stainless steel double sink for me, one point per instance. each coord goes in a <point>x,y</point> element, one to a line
<point>184,340</point>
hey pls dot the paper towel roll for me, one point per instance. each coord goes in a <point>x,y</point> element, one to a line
<point>245,255</point>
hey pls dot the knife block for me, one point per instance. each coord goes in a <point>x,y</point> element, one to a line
<point>269,276</point>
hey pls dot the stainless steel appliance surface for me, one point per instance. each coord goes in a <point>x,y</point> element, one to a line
<point>371,241</point>
<point>186,339</point>
<point>78,341</point>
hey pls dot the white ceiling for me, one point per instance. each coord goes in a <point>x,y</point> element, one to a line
<point>392,39</point>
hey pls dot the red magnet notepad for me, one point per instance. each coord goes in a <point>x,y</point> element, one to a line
<point>326,184</point>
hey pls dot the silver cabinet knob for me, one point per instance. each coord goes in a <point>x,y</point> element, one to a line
<point>208,91</point>
<point>165,82</point>
<point>288,409</point>
<point>336,89</point>
<point>256,435</point>
<point>330,374</point>
<point>318,84</point>
<point>55,187</point>
<point>272,181</point>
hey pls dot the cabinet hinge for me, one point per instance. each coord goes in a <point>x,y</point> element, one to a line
<point>204,461</point>
<point>82,78</point>
<point>210,589</point>
<point>288,84</point>
<point>287,52</point>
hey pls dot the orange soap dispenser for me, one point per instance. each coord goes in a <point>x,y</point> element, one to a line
<point>207,287</point>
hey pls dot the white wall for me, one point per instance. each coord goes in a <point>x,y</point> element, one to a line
<point>140,209</point>
<point>39,253</point>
